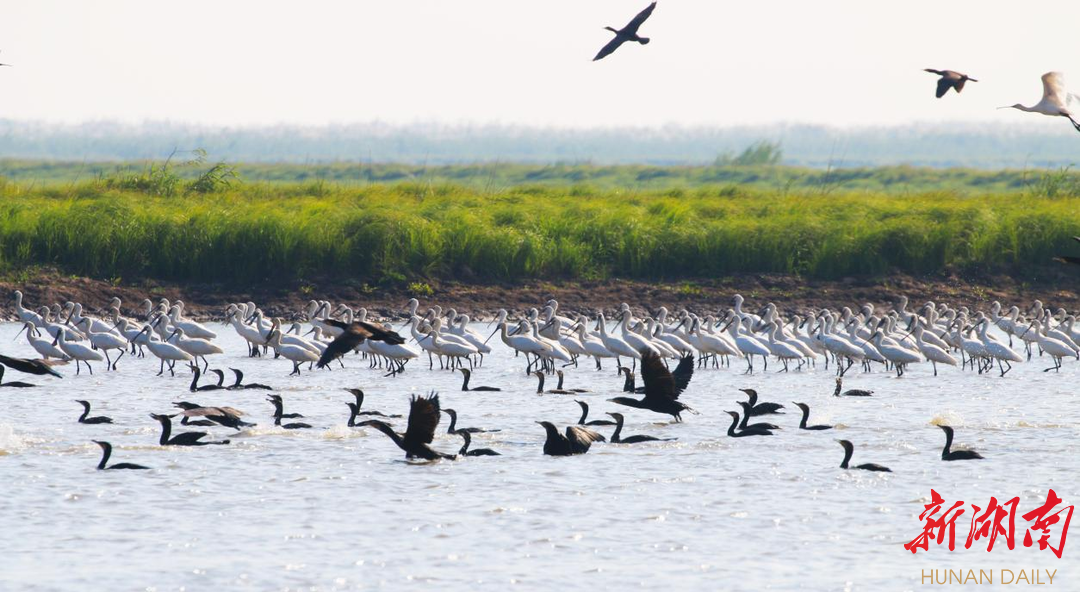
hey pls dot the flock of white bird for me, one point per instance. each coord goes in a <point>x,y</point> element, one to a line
<point>891,341</point>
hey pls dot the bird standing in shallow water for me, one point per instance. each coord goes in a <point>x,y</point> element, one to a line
<point>627,33</point>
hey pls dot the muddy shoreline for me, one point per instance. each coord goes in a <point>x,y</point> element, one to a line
<point>482,301</point>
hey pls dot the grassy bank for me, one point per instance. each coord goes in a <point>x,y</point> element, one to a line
<point>131,227</point>
<point>499,177</point>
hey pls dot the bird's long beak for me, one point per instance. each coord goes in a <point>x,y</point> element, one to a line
<point>492,334</point>
<point>20,331</point>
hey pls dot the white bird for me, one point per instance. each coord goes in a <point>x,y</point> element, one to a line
<point>43,346</point>
<point>998,351</point>
<point>105,340</point>
<point>1056,101</point>
<point>932,352</point>
<point>166,352</point>
<point>191,328</point>
<point>899,356</point>
<point>78,351</point>
<point>25,314</point>
<point>294,353</point>
<point>197,347</point>
<point>1057,349</point>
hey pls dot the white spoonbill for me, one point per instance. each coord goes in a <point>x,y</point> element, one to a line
<point>1056,101</point>
<point>166,352</point>
<point>294,353</point>
<point>78,351</point>
<point>104,341</point>
<point>43,346</point>
<point>197,347</point>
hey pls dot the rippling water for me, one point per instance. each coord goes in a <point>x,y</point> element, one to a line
<point>336,508</point>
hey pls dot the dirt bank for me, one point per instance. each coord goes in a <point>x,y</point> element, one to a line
<point>481,301</point>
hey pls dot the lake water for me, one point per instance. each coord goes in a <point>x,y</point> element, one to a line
<point>335,508</point>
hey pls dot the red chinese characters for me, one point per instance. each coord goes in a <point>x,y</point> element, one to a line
<point>997,519</point>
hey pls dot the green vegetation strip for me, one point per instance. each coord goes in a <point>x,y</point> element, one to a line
<point>213,229</point>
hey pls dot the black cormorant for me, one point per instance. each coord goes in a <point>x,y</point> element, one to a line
<point>38,367</point>
<point>949,79</point>
<point>476,452</point>
<point>359,394</point>
<point>465,383</point>
<point>849,449</point>
<point>661,391</point>
<point>585,415</point>
<point>106,452</point>
<point>948,454</point>
<point>627,33</point>
<point>423,420</point>
<point>576,441</point>
<point>240,378</point>
<point>86,411</point>
<point>279,408</point>
<point>761,408</point>
<point>352,335</point>
<point>850,392</point>
<point>183,439</point>
<point>743,433</point>
<point>806,416</point>
<point>616,437</point>
<point>453,429</point>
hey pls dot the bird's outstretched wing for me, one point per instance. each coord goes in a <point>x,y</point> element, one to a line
<point>609,48</point>
<point>1054,88</point>
<point>683,372</point>
<point>632,27</point>
<point>943,86</point>
<point>659,383</point>
<point>423,419</point>
<point>581,438</point>
<point>341,345</point>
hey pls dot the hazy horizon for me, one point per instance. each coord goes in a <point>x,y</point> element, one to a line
<point>247,63</point>
<point>924,144</point>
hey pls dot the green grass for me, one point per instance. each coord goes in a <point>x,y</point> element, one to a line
<point>500,177</point>
<point>411,233</point>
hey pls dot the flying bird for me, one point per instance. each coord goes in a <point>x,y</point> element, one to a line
<point>423,419</point>
<point>662,389</point>
<point>949,79</point>
<point>627,33</point>
<point>1055,100</point>
<point>352,335</point>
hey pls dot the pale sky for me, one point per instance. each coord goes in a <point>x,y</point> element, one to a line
<point>257,62</point>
